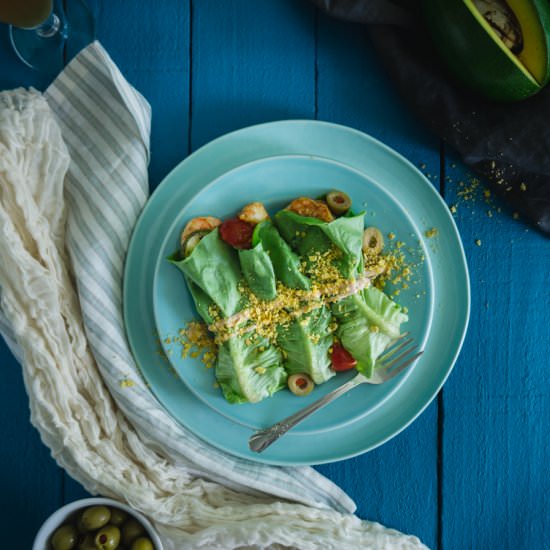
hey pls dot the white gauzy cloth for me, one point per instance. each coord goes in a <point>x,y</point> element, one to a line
<point>73,179</point>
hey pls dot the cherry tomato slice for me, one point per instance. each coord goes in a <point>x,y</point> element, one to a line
<point>341,358</point>
<point>237,233</point>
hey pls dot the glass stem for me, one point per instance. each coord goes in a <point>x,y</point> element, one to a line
<point>50,27</point>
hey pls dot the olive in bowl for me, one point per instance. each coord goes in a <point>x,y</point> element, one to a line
<point>97,524</point>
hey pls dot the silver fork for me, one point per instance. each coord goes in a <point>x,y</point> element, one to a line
<point>389,366</point>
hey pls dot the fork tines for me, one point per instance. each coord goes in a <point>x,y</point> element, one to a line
<point>397,345</point>
<point>407,348</point>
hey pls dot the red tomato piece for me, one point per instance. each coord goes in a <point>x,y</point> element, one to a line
<point>341,358</point>
<point>237,233</point>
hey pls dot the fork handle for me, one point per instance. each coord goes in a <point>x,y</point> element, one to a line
<point>262,439</point>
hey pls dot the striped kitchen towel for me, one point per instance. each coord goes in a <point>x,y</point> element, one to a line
<point>73,175</point>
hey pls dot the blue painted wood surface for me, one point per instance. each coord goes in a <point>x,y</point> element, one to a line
<point>473,470</point>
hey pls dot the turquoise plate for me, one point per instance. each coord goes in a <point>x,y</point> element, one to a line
<point>275,181</point>
<point>274,163</point>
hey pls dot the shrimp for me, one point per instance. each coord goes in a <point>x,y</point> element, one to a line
<point>206,223</point>
<point>311,208</point>
<point>253,213</point>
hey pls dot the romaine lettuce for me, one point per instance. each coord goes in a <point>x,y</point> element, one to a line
<point>306,342</point>
<point>249,369</point>
<point>214,267</point>
<point>286,263</point>
<point>367,322</point>
<point>307,234</point>
<point>258,271</point>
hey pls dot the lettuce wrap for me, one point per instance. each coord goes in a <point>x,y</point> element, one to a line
<point>305,340</point>
<point>247,369</point>
<point>367,320</point>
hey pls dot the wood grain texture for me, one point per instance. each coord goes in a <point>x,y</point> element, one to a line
<point>150,45</point>
<point>30,480</point>
<point>395,484</point>
<point>252,62</point>
<point>496,444</point>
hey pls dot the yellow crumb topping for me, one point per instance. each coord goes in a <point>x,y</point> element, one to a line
<point>196,341</point>
<point>264,318</point>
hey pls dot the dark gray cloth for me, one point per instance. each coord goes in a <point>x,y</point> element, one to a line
<point>507,143</point>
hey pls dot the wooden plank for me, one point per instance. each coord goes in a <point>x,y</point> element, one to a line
<point>397,483</point>
<point>31,481</point>
<point>496,448</point>
<point>150,45</point>
<point>252,63</point>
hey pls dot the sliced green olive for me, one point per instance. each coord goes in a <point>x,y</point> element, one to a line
<point>64,538</point>
<point>300,384</point>
<point>373,242</point>
<point>192,241</point>
<point>107,538</point>
<point>338,202</point>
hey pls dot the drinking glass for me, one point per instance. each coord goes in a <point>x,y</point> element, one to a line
<point>43,34</point>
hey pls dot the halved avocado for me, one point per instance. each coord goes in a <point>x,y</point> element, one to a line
<point>500,69</point>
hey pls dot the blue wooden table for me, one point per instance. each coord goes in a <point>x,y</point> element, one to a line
<point>474,470</point>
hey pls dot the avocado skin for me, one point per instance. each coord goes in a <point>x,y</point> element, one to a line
<point>472,55</point>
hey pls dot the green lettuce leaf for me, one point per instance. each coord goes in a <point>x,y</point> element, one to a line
<point>258,271</point>
<point>202,301</point>
<point>286,263</point>
<point>301,233</point>
<point>214,267</point>
<point>306,234</point>
<point>367,322</point>
<point>306,342</point>
<point>249,371</point>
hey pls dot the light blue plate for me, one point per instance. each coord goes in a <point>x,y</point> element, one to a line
<point>274,163</point>
<point>275,181</point>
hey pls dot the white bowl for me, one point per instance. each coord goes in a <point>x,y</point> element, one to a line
<point>58,518</point>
